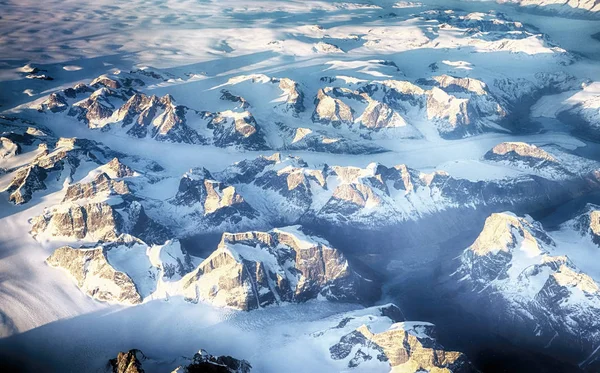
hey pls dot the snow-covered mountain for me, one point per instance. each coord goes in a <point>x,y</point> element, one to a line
<point>586,8</point>
<point>523,277</point>
<point>375,339</point>
<point>367,340</point>
<point>262,178</point>
<point>247,271</point>
<point>133,361</point>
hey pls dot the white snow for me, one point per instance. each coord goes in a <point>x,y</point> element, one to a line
<point>202,48</point>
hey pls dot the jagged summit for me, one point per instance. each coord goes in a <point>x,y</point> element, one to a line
<point>517,268</point>
<point>282,265</point>
<point>133,361</point>
<point>256,178</point>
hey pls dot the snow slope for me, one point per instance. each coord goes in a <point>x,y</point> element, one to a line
<point>371,104</point>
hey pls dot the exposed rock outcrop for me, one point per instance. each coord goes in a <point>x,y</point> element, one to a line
<point>27,180</point>
<point>95,276</point>
<point>98,221</point>
<point>8,148</point>
<point>237,129</point>
<point>159,118</point>
<point>398,346</point>
<point>60,162</point>
<point>202,362</point>
<point>128,362</point>
<point>406,346</point>
<point>203,201</point>
<point>513,267</point>
<point>255,269</point>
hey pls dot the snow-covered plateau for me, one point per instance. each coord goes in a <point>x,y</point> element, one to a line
<point>300,186</point>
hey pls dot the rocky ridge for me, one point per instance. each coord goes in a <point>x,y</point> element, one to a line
<point>133,361</point>
<point>515,268</point>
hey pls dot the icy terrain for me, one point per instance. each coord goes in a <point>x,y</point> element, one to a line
<point>259,179</point>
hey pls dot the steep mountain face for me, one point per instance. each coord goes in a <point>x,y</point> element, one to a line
<point>62,161</point>
<point>380,197</point>
<point>100,207</point>
<point>99,221</point>
<point>202,362</point>
<point>247,271</point>
<point>398,345</point>
<point>27,180</point>
<point>202,201</point>
<point>115,104</point>
<point>457,107</point>
<point>158,118</point>
<point>515,269</point>
<point>95,276</point>
<point>125,271</point>
<point>127,362</point>
<point>236,129</point>
<point>406,346</point>
<point>101,183</point>
<point>255,269</point>
<point>401,125</point>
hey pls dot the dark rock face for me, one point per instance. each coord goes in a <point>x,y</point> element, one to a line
<point>245,171</point>
<point>119,169</point>
<point>127,362</point>
<point>203,362</point>
<point>228,96</point>
<point>330,109</point>
<point>65,156</point>
<point>78,89</point>
<point>295,96</point>
<point>158,118</point>
<point>211,200</point>
<point>105,81</point>
<point>388,196</point>
<point>142,226</point>
<point>237,129</point>
<point>353,203</point>
<point>96,109</point>
<point>409,346</point>
<point>526,156</point>
<point>98,220</point>
<point>276,266</point>
<point>27,180</point>
<point>114,102</point>
<point>55,103</point>
<point>584,118</point>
